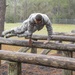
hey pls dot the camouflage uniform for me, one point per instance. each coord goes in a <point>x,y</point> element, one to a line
<point>29,26</point>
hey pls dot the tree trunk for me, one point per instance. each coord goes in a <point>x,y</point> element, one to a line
<point>2,14</point>
<point>2,17</point>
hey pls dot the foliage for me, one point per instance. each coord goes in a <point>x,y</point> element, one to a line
<point>19,10</point>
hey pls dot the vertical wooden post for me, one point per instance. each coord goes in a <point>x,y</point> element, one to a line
<point>67,54</point>
<point>14,68</point>
<point>59,52</point>
<point>34,50</point>
<point>0,49</point>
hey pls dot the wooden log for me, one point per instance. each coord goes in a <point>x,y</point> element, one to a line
<point>50,45</point>
<point>63,33</point>
<point>45,51</point>
<point>34,50</point>
<point>14,68</point>
<point>55,33</point>
<point>24,49</point>
<point>0,49</point>
<point>55,37</point>
<point>68,54</point>
<point>44,60</point>
<point>73,31</point>
<point>59,52</point>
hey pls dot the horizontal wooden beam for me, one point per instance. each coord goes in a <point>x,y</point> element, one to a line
<point>63,33</point>
<point>59,37</point>
<point>50,45</point>
<point>44,60</point>
<point>55,37</point>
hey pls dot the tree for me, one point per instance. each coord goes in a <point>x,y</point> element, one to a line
<point>2,14</point>
<point>19,10</point>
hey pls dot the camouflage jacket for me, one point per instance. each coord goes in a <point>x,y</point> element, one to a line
<point>29,26</point>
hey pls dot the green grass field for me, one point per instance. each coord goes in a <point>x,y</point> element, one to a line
<point>56,27</point>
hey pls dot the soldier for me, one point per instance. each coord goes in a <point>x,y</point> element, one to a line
<point>36,21</point>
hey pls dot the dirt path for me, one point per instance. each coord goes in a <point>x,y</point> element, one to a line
<point>28,69</point>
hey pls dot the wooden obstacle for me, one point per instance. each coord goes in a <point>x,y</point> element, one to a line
<point>50,45</point>
<point>51,61</point>
<point>44,60</point>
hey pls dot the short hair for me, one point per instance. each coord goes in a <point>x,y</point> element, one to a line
<point>38,17</point>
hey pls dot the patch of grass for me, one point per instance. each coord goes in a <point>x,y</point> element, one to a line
<point>63,27</point>
<point>9,26</point>
<point>56,28</point>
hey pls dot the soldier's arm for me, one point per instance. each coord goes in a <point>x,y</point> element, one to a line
<point>49,29</point>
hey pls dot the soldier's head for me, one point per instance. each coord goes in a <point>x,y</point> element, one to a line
<point>38,18</point>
